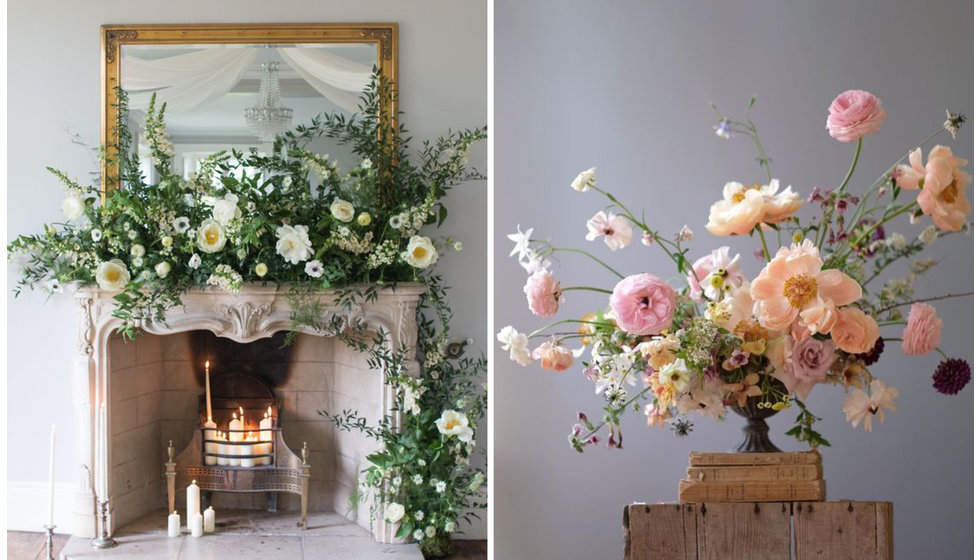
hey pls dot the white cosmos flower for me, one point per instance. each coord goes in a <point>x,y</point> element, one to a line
<point>162,269</point>
<point>342,210</point>
<point>517,343</point>
<point>112,275</point>
<point>73,207</point>
<point>615,230</point>
<point>294,243</point>
<point>226,209</point>
<point>314,268</point>
<point>420,253</point>
<point>453,423</point>
<point>211,237</point>
<point>195,261</point>
<point>182,224</point>
<point>394,512</point>
<point>585,180</point>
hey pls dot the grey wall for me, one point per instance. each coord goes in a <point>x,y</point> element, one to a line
<point>54,80</point>
<point>625,86</point>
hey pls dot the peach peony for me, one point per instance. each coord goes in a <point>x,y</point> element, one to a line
<point>643,304</point>
<point>853,114</point>
<point>944,184</point>
<point>543,293</point>
<point>854,332</point>
<point>746,206</point>
<point>793,285</point>
<point>922,331</point>
<point>553,356</point>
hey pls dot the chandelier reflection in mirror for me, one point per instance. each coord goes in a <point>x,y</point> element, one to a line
<point>269,117</point>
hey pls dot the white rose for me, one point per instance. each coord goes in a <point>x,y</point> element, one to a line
<point>342,210</point>
<point>211,237</point>
<point>112,275</point>
<point>226,209</point>
<point>293,243</point>
<point>137,250</point>
<point>420,253</point>
<point>162,269</point>
<point>167,241</point>
<point>195,261</point>
<point>585,180</point>
<point>73,207</point>
<point>430,531</point>
<point>394,512</point>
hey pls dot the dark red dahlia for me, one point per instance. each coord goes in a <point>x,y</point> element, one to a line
<point>871,356</point>
<point>951,376</point>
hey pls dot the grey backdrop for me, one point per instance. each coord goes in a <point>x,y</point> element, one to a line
<point>625,86</point>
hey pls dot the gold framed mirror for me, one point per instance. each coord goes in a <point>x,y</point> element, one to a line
<point>234,86</point>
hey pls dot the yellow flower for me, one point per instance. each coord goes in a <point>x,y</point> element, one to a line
<point>261,269</point>
<point>363,219</point>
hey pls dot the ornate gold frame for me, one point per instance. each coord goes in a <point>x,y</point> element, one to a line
<point>383,35</point>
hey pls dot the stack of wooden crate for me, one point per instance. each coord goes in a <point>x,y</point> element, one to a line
<point>753,477</point>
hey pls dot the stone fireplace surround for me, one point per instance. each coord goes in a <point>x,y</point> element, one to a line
<point>151,389</point>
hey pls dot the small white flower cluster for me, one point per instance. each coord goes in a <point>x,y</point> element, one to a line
<point>409,222</point>
<point>226,278</point>
<point>411,393</point>
<point>321,166</point>
<point>347,240</point>
<point>384,253</point>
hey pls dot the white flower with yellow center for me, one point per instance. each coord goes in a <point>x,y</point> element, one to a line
<point>420,253</point>
<point>675,375</point>
<point>453,423</point>
<point>211,237</point>
<point>73,207</point>
<point>342,210</point>
<point>294,243</point>
<point>112,275</point>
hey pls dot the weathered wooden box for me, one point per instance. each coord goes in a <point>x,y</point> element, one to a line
<point>759,531</point>
<point>753,477</point>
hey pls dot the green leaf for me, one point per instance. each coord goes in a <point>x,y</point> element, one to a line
<point>442,215</point>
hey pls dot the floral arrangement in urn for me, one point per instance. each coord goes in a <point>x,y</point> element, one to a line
<point>721,336</point>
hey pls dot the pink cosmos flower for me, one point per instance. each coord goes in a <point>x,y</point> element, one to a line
<point>853,114</point>
<point>543,293</point>
<point>643,304</point>
<point>944,184</point>
<point>922,331</point>
<point>793,285</point>
<point>855,332</point>
<point>707,265</point>
<point>615,230</point>
<point>862,407</point>
<point>553,356</point>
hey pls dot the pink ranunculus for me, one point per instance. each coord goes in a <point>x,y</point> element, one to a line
<point>543,293</point>
<point>922,330</point>
<point>855,332</point>
<point>643,304</point>
<point>709,264</point>
<point>853,114</point>
<point>553,356</point>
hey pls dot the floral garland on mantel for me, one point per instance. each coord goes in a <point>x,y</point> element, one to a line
<point>294,218</point>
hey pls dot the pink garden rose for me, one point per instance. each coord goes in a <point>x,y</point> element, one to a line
<point>853,114</point>
<point>553,356</point>
<point>922,330</point>
<point>643,304</point>
<point>855,332</point>
<point>543,293</point>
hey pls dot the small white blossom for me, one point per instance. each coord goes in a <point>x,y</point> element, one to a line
<point>418,534</point>
<point>132,234</point>
<point>417,479</point>
<point>430,531</point>
<point>96,235</point>
<point>929,235</point>
<point>137,250</point>
<point>314,268</point>
<point>195,261</point>
<point>182,223</point>
<point>419,515</point>
<point>896,241</point>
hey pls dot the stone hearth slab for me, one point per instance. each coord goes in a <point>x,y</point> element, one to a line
<point>246,535</point>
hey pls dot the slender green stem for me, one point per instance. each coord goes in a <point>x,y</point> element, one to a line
<point>850,172</point>
<point>586,288</point>
<point>754,134</point>
<point>587,254</point>
<point>887,218</point>
<point>563,321</point>
<point>923,300</point>
<point>891,323</point>
<point>941,353</point>
<point>762,237</point>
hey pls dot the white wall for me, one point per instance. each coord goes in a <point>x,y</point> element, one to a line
<point>53,74</point>
<point>625,86</point>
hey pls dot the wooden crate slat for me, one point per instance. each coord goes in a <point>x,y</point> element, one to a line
<point>884,531</point>
<point>664,532</point>
<point>742,531</point>
<point>767,473</point>
<point>839,530</point>
<point>702,459</point>
<point>782,491</point>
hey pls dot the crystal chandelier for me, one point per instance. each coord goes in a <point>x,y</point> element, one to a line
<point>269,118</point>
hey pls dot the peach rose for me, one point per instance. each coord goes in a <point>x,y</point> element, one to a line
<point>853,114</point>
<point>922,330</point>
<point>543,293</point>
<point>944,185</point>
<point>855,332</point>
<point>553,356</point>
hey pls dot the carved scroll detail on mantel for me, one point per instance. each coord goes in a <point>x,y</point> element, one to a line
<point>86,331</point>
<point>245,318</point>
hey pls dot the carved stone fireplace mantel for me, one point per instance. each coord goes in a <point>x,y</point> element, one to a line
<point>253,313</point>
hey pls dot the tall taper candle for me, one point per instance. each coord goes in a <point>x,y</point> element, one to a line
<point>207,388</point>
<point>51,482</point>
<point>193,502</point>
<point>103,456</point>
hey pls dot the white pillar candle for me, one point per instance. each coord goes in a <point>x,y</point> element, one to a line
<point>264,449</point>
<point>235,428</point>
<point>265,426</point>
<point>51,482</point>
<point>209,520</point>
<point>193,501</point>
<point>223,449</point>
<point>173,525</point>
<point>197,525</point>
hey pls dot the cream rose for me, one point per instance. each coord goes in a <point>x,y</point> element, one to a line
<point>162,269</point>
<point>226,210</point>
<point>211,237</point>
<point>394,512</point>
<point>420,253</point>
<point>73,207</point>
<point>112,275</point>
<point>342,210</point>
<point>294,243</point>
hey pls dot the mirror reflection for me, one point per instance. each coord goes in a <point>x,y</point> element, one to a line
<point>236,97</point>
